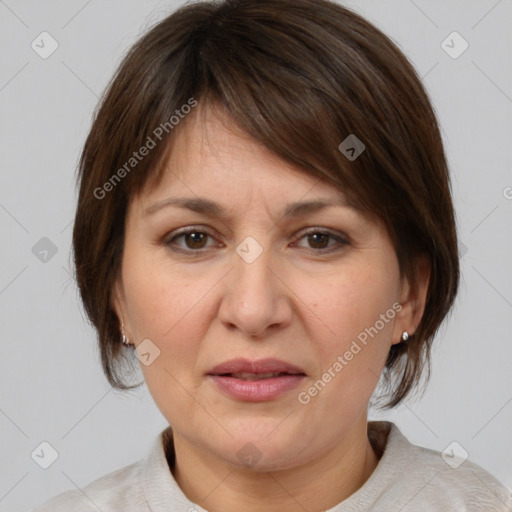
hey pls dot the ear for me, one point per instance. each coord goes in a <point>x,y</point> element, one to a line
<point>413,297</point>
<point>117,300</point>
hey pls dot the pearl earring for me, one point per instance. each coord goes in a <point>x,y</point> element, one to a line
<point>124,338</point>
<point>405,336</point>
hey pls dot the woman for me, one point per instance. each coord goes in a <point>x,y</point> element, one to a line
<point>265,221</point>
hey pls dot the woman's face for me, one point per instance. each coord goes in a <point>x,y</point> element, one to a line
<point>254,285</point>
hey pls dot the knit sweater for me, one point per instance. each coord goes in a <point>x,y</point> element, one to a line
<point>408,478</point>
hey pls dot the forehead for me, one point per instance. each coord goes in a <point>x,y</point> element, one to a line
<point>211,157</point>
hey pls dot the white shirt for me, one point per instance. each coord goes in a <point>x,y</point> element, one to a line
<point>408,478</point>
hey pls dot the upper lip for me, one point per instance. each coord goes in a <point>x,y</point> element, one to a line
<point>241,365</point>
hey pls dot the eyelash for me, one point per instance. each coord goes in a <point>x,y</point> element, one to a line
<point>170,242</point>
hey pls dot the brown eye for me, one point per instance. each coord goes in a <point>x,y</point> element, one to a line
<point>318,241</point>
<point>194,241</point>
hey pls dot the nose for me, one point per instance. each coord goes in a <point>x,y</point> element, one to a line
<point>256,299</point>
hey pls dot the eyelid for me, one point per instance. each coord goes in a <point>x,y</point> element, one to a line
<point>306,230</point>
<point>327,231</point>
<point>186,230</point>
<point>341,238</point>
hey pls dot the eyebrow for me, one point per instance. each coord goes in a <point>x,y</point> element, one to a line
<point>212,209</point>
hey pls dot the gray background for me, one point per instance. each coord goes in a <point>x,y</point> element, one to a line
<point>52,388</point>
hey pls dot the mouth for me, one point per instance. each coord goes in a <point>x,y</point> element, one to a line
<point>244,367</point>
<point>258,376</point>
<point>255,381</point>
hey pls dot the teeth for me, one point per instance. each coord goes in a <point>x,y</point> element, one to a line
<point>255,376</point>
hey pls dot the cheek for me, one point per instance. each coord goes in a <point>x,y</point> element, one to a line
<point>165,305</point>
<point>353,322</point>
<point>348,303</point>
<point>167,309</point>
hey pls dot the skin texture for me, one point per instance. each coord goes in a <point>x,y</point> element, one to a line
<point>291,303</point>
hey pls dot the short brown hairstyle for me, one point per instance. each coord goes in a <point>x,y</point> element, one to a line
<point>299,77</point>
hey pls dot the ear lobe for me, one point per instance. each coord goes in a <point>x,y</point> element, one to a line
<point>413,299</point>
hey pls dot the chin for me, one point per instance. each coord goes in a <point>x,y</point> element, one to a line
<point>261,447</point>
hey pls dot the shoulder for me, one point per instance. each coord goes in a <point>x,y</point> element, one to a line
<point>118,490</point>
<point>444,480</point>
<point>462,482</point>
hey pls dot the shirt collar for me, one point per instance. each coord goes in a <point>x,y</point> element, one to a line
<point>163,493</point>
<point>161,490</point>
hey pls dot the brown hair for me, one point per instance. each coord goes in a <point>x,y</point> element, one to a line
<point>299,77</point>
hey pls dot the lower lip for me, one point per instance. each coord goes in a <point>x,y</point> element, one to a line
<point>256,390</point>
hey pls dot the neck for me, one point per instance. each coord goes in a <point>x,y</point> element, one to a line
<point>323,483</point>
